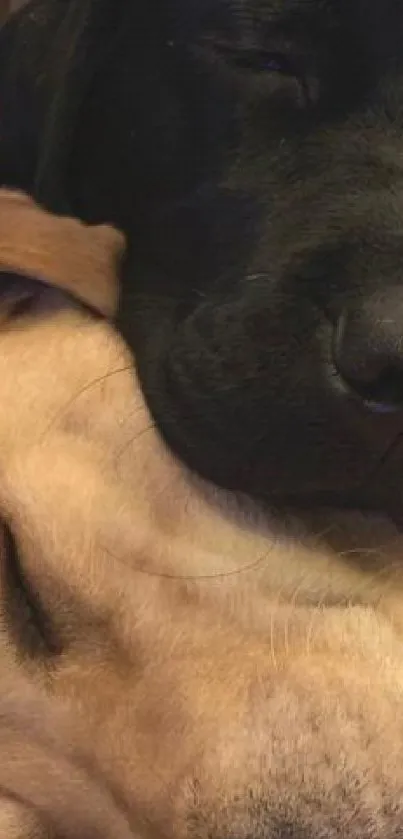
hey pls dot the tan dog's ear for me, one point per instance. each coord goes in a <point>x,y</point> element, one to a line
<point>63,252</point>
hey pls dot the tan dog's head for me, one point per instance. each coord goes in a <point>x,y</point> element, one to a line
<point>224,677</point>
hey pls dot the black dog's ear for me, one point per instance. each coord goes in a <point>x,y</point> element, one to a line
<point>24,40</point>
<point>49,52</point>
<point>26,45</point>
<point>84,37</point>
<point>104,112</point>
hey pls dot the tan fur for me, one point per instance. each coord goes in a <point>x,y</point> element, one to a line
<point>225,675</point>
<point>43,775</point>
<point>60,251</point>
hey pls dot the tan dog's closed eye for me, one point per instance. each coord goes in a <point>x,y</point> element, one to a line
<point>226,675</point>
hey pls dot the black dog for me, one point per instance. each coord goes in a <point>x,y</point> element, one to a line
<point>252,151</point>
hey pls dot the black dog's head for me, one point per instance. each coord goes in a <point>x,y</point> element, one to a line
<point>252,150</point>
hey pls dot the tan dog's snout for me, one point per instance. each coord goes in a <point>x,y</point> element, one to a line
<point>308,747</point>
<point>292,730</point>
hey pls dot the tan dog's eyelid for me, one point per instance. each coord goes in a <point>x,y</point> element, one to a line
<point>25,295</point>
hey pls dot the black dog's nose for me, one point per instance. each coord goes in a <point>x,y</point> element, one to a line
<point>368,350</point>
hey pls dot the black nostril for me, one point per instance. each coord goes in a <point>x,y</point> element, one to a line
<point>368,351</point>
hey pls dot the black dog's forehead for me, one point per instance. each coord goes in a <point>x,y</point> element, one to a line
<point>378,22</point>
<point>275,11</point>
<point>325,12</point>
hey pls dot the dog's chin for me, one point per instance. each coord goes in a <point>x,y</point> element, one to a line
<point>281,489</point>
<point>274,475</point>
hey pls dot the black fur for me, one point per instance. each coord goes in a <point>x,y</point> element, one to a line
<point>264,207</point>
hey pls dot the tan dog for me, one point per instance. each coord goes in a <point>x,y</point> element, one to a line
<point>222,676</point>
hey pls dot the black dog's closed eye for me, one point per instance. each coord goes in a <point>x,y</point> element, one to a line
<point>257,60</point>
